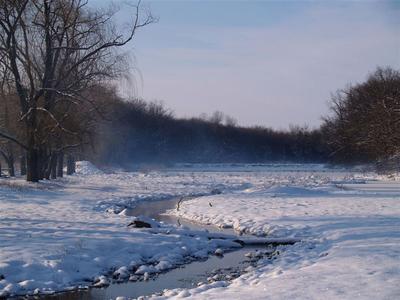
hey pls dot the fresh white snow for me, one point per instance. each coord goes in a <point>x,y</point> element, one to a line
<point>58,234</point>
<point>350,236</point>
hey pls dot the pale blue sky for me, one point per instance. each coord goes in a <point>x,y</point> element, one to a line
<point>271,63</point>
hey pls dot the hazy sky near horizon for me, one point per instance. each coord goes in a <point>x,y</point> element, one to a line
<point>270,63</point>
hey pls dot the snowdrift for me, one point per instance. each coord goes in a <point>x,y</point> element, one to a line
<point>87,168</point>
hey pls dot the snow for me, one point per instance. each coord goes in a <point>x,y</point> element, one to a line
<point>55,235</point>
<point>350,236</point>
<point>219,252</point>
<point>64,233</point>
<point>87,168</point>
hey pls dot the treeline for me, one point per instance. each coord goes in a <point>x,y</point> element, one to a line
<point>138,131</point>
<point>364,126</point>
<point>57,59</point>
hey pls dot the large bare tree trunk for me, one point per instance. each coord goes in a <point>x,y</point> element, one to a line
<point>51,170</point>
<point>32,164</point>
<point>47,168</point>
<point>53,166</point>
<point>70,165</point>
<point>23,165</point>
<point>60,164</point>
<point>10,163</point>
<point>32,158</point>
<point>43,162</point>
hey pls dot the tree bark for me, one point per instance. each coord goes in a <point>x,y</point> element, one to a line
<point>33,157</point>
<point>53,166</point>
<point>60,164</point>
<point>32,164</point>
<point>10,162</point>
<point>47,168</point>
<point>41,164</point>
<point>70,165</point>
<point>23,165</point>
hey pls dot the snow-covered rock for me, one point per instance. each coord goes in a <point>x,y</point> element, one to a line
<point>219,252</point>
<point>101,281</point>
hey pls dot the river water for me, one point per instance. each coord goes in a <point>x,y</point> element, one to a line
<point>229,266</point>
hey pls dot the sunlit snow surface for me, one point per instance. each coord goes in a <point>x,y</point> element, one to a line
<point>57,234</point>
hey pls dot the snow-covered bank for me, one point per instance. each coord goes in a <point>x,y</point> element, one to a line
<point>58,234</point>
<point>350,233</point>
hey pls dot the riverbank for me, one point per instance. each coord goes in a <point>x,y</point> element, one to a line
<point>58,235</point>
<point>349,231</point>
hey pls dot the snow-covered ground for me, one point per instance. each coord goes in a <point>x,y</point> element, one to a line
<point>59,234</point>
<point>350,231</point>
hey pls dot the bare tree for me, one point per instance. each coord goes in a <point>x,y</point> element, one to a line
<point>8,149</point>
<point>217,117</point>
<point>55,50</point>
<point>366,118</point>
<point>230,121</point>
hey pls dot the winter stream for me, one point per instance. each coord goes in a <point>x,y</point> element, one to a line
<point>227,267</point>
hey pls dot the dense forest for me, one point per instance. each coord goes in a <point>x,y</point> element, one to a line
<point>363,127</point>
<point>138,131</point>
<point>58,60</point>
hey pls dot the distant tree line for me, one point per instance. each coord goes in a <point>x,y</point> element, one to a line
<point>139,131</point>
<point>363,127</point>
